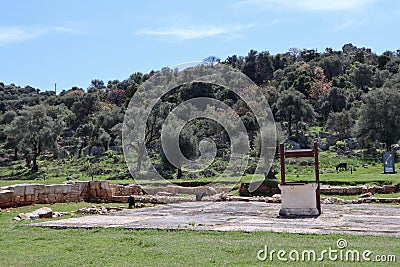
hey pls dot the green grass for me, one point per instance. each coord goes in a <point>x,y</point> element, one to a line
<point>114,169</point>
<point>31,246</point>
<point>391,195</point>
<point>328,174</point>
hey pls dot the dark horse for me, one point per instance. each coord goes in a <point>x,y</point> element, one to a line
<point>341,166</point>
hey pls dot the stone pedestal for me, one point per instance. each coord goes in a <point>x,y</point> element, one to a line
<point>298,199</point>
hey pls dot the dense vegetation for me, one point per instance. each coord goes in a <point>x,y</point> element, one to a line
<point>351,95</point>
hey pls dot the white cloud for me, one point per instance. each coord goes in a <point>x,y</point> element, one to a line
<point>15,34</point>
<point>314,5</point>
<point>194,32</point>
<point>187,33</point>
<point>348,24</point>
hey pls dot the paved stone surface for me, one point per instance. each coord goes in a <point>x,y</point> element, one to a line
<point>361,219</point>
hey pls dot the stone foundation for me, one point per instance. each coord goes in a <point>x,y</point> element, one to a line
<point>267,190</point>
<point>27,194</point>
<point>175,189</point>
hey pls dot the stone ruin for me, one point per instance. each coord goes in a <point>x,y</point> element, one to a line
<point>103,191</point>
<point>76,191</point>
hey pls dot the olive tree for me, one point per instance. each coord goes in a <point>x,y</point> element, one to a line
<point>380,116</point>
<point>36,129</point>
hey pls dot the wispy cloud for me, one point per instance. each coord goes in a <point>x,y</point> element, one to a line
<point>195,32</point>
<point>349,24</point>
<point>9,35</point>
<point>313,5</point>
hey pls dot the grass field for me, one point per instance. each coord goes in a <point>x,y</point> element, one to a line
<point>113,168</point>
<point>30,246</point>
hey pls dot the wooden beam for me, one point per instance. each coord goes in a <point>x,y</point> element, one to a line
<point>318,195</point>
<point>282,156</point>
<point>302,153</point>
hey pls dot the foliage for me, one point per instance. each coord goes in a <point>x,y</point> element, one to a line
<point>304,87</point>
<point>380,116</point>
<point>293,108</point>
<point>341,123</point>
<point>36,129</point>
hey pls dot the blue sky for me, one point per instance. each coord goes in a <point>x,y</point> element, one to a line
<point>72,42</point>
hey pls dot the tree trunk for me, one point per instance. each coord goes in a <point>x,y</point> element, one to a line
<point>290,125</point>
<point>80,151</point>
<point>81,148</point>
<point>179,174</point>
<point>35,166</point>
<point>28,161</point>
<point>138,166</point>
<point>388,147</point>
<point>15,153</point>
<point>139,160</point>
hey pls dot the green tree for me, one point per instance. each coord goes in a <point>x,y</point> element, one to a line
<point>341,123</point>
<point>333,101</point>
<point>258,66</point>
<point>104,139</point>
<point>85,134</point>
<point>332,66</point>
<point>135,141</point>
<point>293,107</point>
<point>361,76</point>
<point>380,116</point>
<point>84,107</point>
<point>35,130</point>
<point>96,84</point>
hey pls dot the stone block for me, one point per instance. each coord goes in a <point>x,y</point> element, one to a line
<point>29,189</point>
<point>388,189</point>
<point>354,190</point>
<point>93,185</point>
<point>49,189</point>
<point>75,189</point>
<point>186,190</point>
<point>17,199</point>
<point>66,189</point>
<point>151,191</point>
<point>41,189</point>
<point>6,197</point>
<point>109,192</point>
<point>51,198</point>
<point>58,189</point>
<point>104,184</point>
<point>28,198</point>
<point>170,189</point>
<point>40,198</point>
<point>19,190</point>
<point>74,198</point>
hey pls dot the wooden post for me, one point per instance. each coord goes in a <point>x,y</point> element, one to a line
<point>282,156</point>
<point>318,196</point>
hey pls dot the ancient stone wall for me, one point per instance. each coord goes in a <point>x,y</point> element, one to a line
<point>267,190</point>
<point>174,190</point>
<point>27,194</point>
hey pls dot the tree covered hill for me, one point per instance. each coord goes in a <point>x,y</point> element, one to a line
<point>353,93</point>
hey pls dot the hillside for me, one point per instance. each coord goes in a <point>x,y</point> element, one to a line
<point>345,100</point>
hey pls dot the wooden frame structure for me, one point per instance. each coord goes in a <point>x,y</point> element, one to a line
<point>300,153</point>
